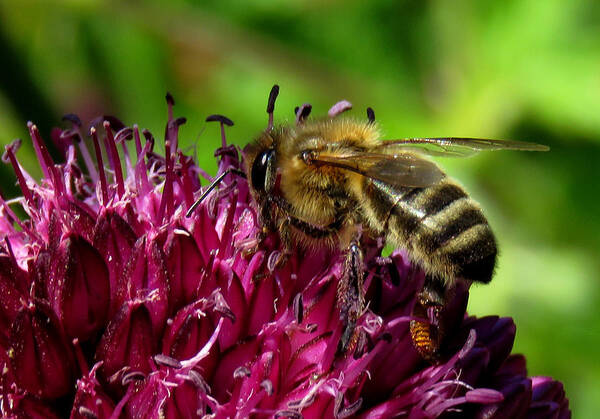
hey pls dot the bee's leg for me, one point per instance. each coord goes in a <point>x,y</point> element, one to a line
<point>350,296</point>
<point>286,242</point>
<point>426,333</point>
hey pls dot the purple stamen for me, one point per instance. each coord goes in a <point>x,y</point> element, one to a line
<point>9,249</point>
<point>171,133</point>
<point>187,186</point>
<point>112,150</point>
<point>9,154</point>
<point>138,142</point>
<point>271,105</point>
<point>88,160</point>
<point>121,137</point>
<point>140,166</point>
<point>32,234</point>
<point>223,120</point>
<point>103,185</point>
<point>149,139</point>
<point>302,113</point>
<point>227,227</point>
<point>40,149</point>
<point>338,108</point>
<point>166,202</point>
<point>80,358</point>
<point>172,125</point>
<point>170,104</point>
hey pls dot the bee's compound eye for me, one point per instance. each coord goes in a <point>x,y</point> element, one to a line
<point>259,169</point>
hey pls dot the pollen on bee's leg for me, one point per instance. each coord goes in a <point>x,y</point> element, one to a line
<point>425,335</point>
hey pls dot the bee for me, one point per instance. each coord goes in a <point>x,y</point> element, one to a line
<point>326,182</point>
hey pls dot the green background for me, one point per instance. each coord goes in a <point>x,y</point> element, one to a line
<point>525,70</point>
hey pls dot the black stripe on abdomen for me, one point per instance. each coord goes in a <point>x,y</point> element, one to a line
<point>475,258</point>
<point>436,198</point>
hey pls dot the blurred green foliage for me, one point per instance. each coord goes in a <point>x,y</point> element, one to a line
<point>519,69</point>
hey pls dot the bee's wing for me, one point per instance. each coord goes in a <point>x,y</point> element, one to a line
<point>455,147</point>
<point>401,169</point>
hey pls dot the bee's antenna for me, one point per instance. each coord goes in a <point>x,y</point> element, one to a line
<point>212,186</point>
<point>371,115</point>
<point>271,105</point>
<point>223,120</point>
<point>338,108</point>
<point>302,112</point>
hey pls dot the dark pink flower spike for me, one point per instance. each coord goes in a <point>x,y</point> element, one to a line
<point>207,317</point>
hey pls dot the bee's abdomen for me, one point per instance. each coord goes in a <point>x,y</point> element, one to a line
<point>440,227</point>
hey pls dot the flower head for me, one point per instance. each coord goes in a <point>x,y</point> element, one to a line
<point>116,304</point>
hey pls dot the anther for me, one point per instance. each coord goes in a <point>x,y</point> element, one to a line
<point>371,115</point>
<point>72,118</point>
<point>241,372</point>
<point>298,308</point>
<point>338,108</point>
<point>271,105</point>
<point>167,361</point>
<point>303,112</point>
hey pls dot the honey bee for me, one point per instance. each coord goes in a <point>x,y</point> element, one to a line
<point>326,182</point>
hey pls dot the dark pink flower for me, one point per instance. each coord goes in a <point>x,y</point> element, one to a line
<point>115,304</point>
